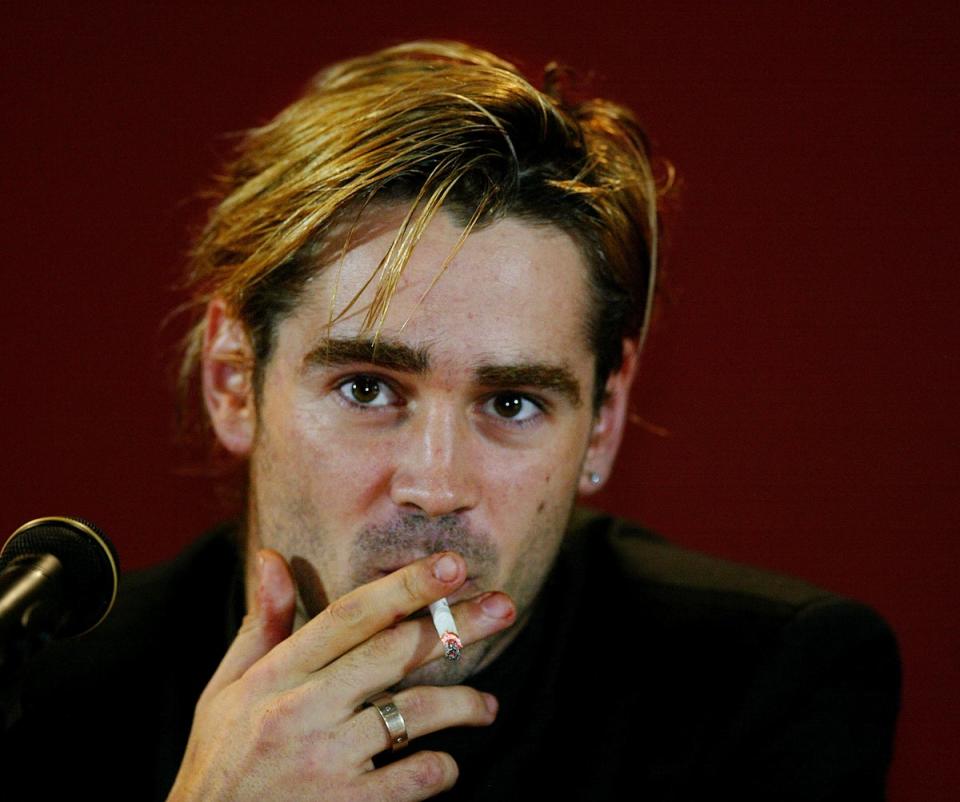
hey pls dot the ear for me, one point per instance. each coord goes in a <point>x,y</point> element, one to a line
<point>608,425</point>
<point>228,378</point>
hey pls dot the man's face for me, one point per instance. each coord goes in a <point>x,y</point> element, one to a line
<point>466,431</point>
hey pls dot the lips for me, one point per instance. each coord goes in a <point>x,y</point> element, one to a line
<point>380,550</point>
<point>392,569</point>
<point>465,591</point>
<point>381,572</point>
<point>394,562</point>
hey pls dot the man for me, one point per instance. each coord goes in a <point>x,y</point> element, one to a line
<point>425,287</point>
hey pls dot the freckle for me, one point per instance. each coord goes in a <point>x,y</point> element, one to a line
<point>547,478</point>
<point>542,505</point>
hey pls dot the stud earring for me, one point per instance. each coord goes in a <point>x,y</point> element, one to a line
<point>594,477</point>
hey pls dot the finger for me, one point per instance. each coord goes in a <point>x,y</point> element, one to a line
<point>335,693</point>
<point>425,709</point>
<point>268,622</point>
<point>390,655</point>
<point>420,776</point>
<point>365,611</point>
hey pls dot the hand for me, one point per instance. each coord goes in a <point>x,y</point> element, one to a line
<point>283,717</point>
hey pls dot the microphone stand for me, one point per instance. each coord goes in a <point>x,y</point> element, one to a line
<point>28,622</point>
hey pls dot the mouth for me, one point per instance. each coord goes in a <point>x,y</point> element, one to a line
<point>382,572</point>
<point>390,568</point>
<point>380,550</point>
<point>465,591</point>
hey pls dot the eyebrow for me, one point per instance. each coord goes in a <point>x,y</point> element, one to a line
<point>533,374</point>
<point>408,359</point>
<point>390,355</point>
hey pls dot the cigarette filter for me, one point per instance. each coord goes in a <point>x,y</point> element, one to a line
<point>446,629</point>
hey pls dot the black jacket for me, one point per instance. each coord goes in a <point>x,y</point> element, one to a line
<point>646,672</point>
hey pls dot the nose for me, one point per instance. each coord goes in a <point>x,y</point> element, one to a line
<point>435,471</point>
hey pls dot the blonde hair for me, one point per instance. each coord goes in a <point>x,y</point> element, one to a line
<point>436,125</point>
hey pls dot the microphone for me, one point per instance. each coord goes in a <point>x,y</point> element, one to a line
<point>58,579</point>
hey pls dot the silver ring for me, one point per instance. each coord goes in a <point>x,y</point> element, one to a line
<point>392,719</point>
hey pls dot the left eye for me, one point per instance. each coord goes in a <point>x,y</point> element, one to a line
<point>366,391</point>
<point>512,407</point>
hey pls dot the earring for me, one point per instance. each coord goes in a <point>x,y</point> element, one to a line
<point>594,477</point>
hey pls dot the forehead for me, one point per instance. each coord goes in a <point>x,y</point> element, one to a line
<point>511,288</point>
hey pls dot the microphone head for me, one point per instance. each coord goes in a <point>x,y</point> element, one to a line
<point>91,568</point>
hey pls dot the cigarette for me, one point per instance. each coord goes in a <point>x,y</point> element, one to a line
<point>446,629</point>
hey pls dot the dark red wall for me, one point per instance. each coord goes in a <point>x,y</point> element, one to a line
<point>805,364</point>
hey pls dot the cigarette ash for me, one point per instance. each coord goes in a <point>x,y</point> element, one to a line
<point>452,646</point>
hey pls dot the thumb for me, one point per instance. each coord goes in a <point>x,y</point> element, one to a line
<point>269,621</point>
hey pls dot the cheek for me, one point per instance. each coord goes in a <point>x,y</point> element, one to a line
<point>305,458</point>
<point>529,548</point>
<point>351,470</point>
<point>538,485</point>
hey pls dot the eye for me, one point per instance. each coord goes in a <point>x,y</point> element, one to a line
<point>366,391</point>
<point>514,407</point>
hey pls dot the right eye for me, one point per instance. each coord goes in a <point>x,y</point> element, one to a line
<point>366,391</point>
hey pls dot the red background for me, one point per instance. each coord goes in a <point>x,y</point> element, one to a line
<point>804,366</point>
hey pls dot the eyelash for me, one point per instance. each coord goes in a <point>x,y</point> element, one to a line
<point>342,389</point>
<point>531,420</point>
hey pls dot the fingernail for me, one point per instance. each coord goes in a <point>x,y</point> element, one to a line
<point>496,605</point>
<point>491,702</point>
<point>445,569</point>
